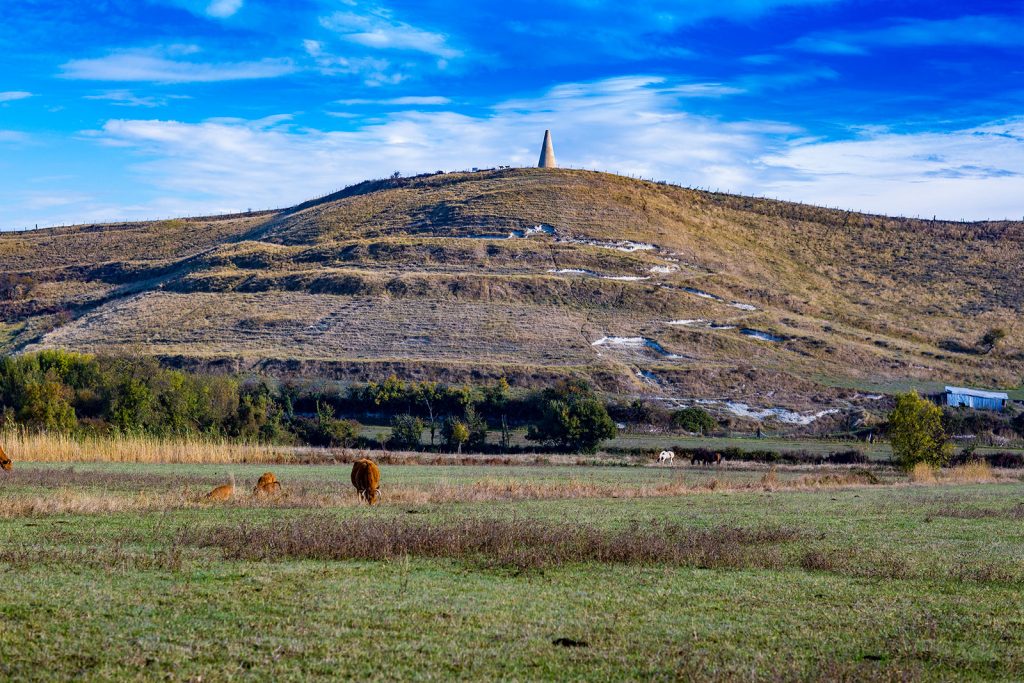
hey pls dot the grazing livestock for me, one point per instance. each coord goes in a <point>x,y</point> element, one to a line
<point>5,462</point>
<point>666,456</point>
<point>268,485</point>
<point>366,479</point>
<point>224,492</point>
<point>706,458</point>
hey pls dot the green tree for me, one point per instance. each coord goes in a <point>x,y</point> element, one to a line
<point>916,432</point>
<point>429,393</point>
<point>571,419</point>
<point>335,432</point>
<point>406,431</point>
<point>46,406</point>
<point>455,432</point>
<point>694,419</point>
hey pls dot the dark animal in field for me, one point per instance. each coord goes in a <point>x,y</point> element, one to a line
<point>705,458</point>
<point>224,492</point>
<point>5,462</point>
<point>366,479</point>
<point>268,485</point>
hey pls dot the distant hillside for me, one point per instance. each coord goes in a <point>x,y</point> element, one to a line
<point>647,289</point>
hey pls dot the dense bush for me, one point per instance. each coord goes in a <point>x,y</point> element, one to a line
<point>61,391</point>
<point>572,419</point>
<point>693,419</point>
<point>406,431</point>
<point>916,432</point>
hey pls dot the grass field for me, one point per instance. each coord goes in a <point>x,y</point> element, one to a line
<point>766,576</point>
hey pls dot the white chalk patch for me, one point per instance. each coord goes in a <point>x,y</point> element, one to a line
<point>636,343</point>
<point>781,414</point>
<point>763,336</point>
<point>591,273</point>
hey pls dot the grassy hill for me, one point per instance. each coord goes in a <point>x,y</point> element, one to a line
<point>647,289</point>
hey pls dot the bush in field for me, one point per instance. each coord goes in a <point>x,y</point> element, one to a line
<point>694,419</point>
<point>327,430</point>
<point>406,431</point>
<point>455,433</point>
<point>572,419</point>
<point>991,339</point>
<point>916,432</point>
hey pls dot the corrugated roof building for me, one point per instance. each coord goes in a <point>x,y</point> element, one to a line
<point>975,398</point>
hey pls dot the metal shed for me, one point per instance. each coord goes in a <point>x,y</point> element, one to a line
<point>975,398</point>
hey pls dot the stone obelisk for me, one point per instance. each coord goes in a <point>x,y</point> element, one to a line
<point>547,153</point>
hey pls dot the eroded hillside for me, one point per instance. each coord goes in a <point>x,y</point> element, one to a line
<point>533,274</point>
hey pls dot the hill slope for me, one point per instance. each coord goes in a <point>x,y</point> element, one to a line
<point>534,274</point>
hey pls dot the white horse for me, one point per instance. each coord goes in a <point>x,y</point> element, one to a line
<point>666,456</point>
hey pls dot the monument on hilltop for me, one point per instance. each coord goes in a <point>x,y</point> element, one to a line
<point>547,153</point>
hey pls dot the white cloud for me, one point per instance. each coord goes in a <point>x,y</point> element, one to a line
<point>973,173</point>
<point>12,136</point>
<point>159,65</point>
<point>11,95</point>
<point>126,98</point>
<point>223,9</point>
<point>373,71</point>
<point>377,28</point>
<point>423,101</point>
<point>629,125</point>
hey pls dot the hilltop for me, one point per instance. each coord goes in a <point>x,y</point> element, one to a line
<point>533,274</point>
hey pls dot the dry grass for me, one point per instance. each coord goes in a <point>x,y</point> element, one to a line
<point>923,473</point>
<point>45,447</point>
<point>29,493</point>
<point>978,472</point>
<point>519,543</point>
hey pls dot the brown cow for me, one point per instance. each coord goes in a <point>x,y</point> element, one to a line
<point>706,458</point>
<point>224,492</point>
<point>5,462</point>
<point>366,479</point>
<point>268,485</point>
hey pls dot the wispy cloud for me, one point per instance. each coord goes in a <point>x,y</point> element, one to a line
<point>216,9</point>
<point>12,95</point>
<point>223,8</point>
<point>377,28</point>
<point>126,98</point>
<point>983,30</point>
<point>628,125</point>
<point>168,64</point>
<point>373,71</point>
<point>413,100</point>
<point>12,136</point>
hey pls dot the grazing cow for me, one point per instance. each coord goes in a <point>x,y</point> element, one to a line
<point>366,479</point>
<point>268,485</point>
<point>705,458</point>
<point>224,492</point>
<point>666,456</point>
<point>5,462</point>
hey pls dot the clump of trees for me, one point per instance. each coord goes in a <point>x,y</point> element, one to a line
<point>571,419</point>
<point>917,434</point>
<point>66,392</point>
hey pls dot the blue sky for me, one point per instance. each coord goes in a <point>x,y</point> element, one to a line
<point>125,109</point>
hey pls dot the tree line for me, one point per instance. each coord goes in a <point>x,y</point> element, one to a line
<point>73,393</point>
